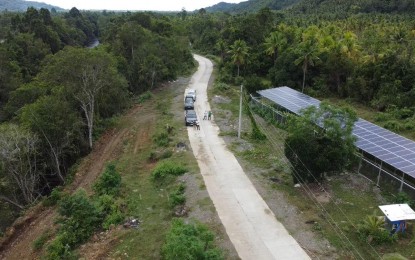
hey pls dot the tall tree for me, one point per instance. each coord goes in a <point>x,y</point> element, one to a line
<point>86,74</point>
<point>239,52</point>
<point>58,126</point>
<point>18,165</point>
<point>320,142</point>
<point>274,43</point>
<point>309,51</point>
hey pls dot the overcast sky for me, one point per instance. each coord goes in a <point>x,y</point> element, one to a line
<point>142,5</point>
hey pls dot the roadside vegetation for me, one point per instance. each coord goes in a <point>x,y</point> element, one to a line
<point>57,98</point>
<point>342,208</point>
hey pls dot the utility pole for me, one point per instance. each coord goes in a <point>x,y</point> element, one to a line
<point>240,115</point>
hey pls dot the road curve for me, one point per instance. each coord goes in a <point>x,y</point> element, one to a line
<point>249,223</point>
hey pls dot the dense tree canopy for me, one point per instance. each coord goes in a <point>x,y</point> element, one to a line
<point>320,142</point>
<point>56,91</point>
<point>365,57</point>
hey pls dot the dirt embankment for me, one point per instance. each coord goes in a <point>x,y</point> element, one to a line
<point>18,241</point>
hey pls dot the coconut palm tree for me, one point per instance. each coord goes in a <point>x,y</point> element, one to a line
<point>239,52</point>
<point>274,43</point>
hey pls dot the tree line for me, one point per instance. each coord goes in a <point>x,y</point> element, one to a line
<point>368,58</point>
<point>57,95</point>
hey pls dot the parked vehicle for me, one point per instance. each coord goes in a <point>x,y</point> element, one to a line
<point>191,93</point>
<point>189,103</point>
<point>190,117</point>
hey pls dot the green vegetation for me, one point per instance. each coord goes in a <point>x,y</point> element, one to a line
<point>177,197</point>
<point>109,183</point>
<point>166,168</point>
<point>57,96</point>
<point>350,198</point>
<point>372,230</point>
<point>80,216</point>
<point>190,241</point>
<point>320,142</point>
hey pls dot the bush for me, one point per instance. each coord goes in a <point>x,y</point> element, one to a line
<point>161,139</point>
<point>393,126</point>
<point>109,182</point>
<point>143,97</point>
<point>177,197</point>
<point>253,83</point>
<point>59,250</point>
<point>40,241</point>
<point>221,86</point>
<point>78,221</point>
<point>190,241</point>
<point>166,154</point>
<point>166,168</point>
<point>372,230</point>
<point>114,218</point>
<point>403,198</point>
<point>109,207</point>
<point>53,197</point>
<point>79,218</point>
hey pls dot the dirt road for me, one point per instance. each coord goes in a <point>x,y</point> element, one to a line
<point>250,224</point>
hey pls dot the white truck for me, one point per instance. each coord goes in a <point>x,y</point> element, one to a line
<point>190,93</point>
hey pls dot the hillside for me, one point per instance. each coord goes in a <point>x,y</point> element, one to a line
<point>21,6</point>
<point>251,6</point>
<point>354,6</point>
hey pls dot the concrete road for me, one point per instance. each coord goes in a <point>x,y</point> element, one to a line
<point>249,223</point>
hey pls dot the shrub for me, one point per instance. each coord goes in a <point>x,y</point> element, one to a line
<point>78,221</point>
<point>221,86</point>
<point>40,241</point>
<point>79,218</point>
<point>372,230</point>
<point>253,83</point>
<point>111,209</point>
<point>177,197</point>
<point>166,154</point>
<point>143,97</point>
<point>54,197</point>
<point>57,249</point>
<point>409,126</point>
<point>189,241</point>
<point>161,139</point>
<point>393,126</point>
<point>114,218</point>
<point>109,182</point>
<point>403,198</point>
<point>166,168</point>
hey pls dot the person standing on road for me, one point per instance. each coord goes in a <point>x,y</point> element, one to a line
<point>205,115</point>
<point>209,115</point>
<point>197,124</point>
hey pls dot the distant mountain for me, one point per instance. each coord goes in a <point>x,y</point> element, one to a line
<point>251,6</point>
<point>21,6</point>
<point>355,6</point>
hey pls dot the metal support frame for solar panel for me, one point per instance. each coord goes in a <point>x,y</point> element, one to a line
<point>388,147</point>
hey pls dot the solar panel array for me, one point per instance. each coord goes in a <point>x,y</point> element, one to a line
<point>393,149</point>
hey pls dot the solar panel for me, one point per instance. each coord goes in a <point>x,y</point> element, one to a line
<point>383,144</point>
